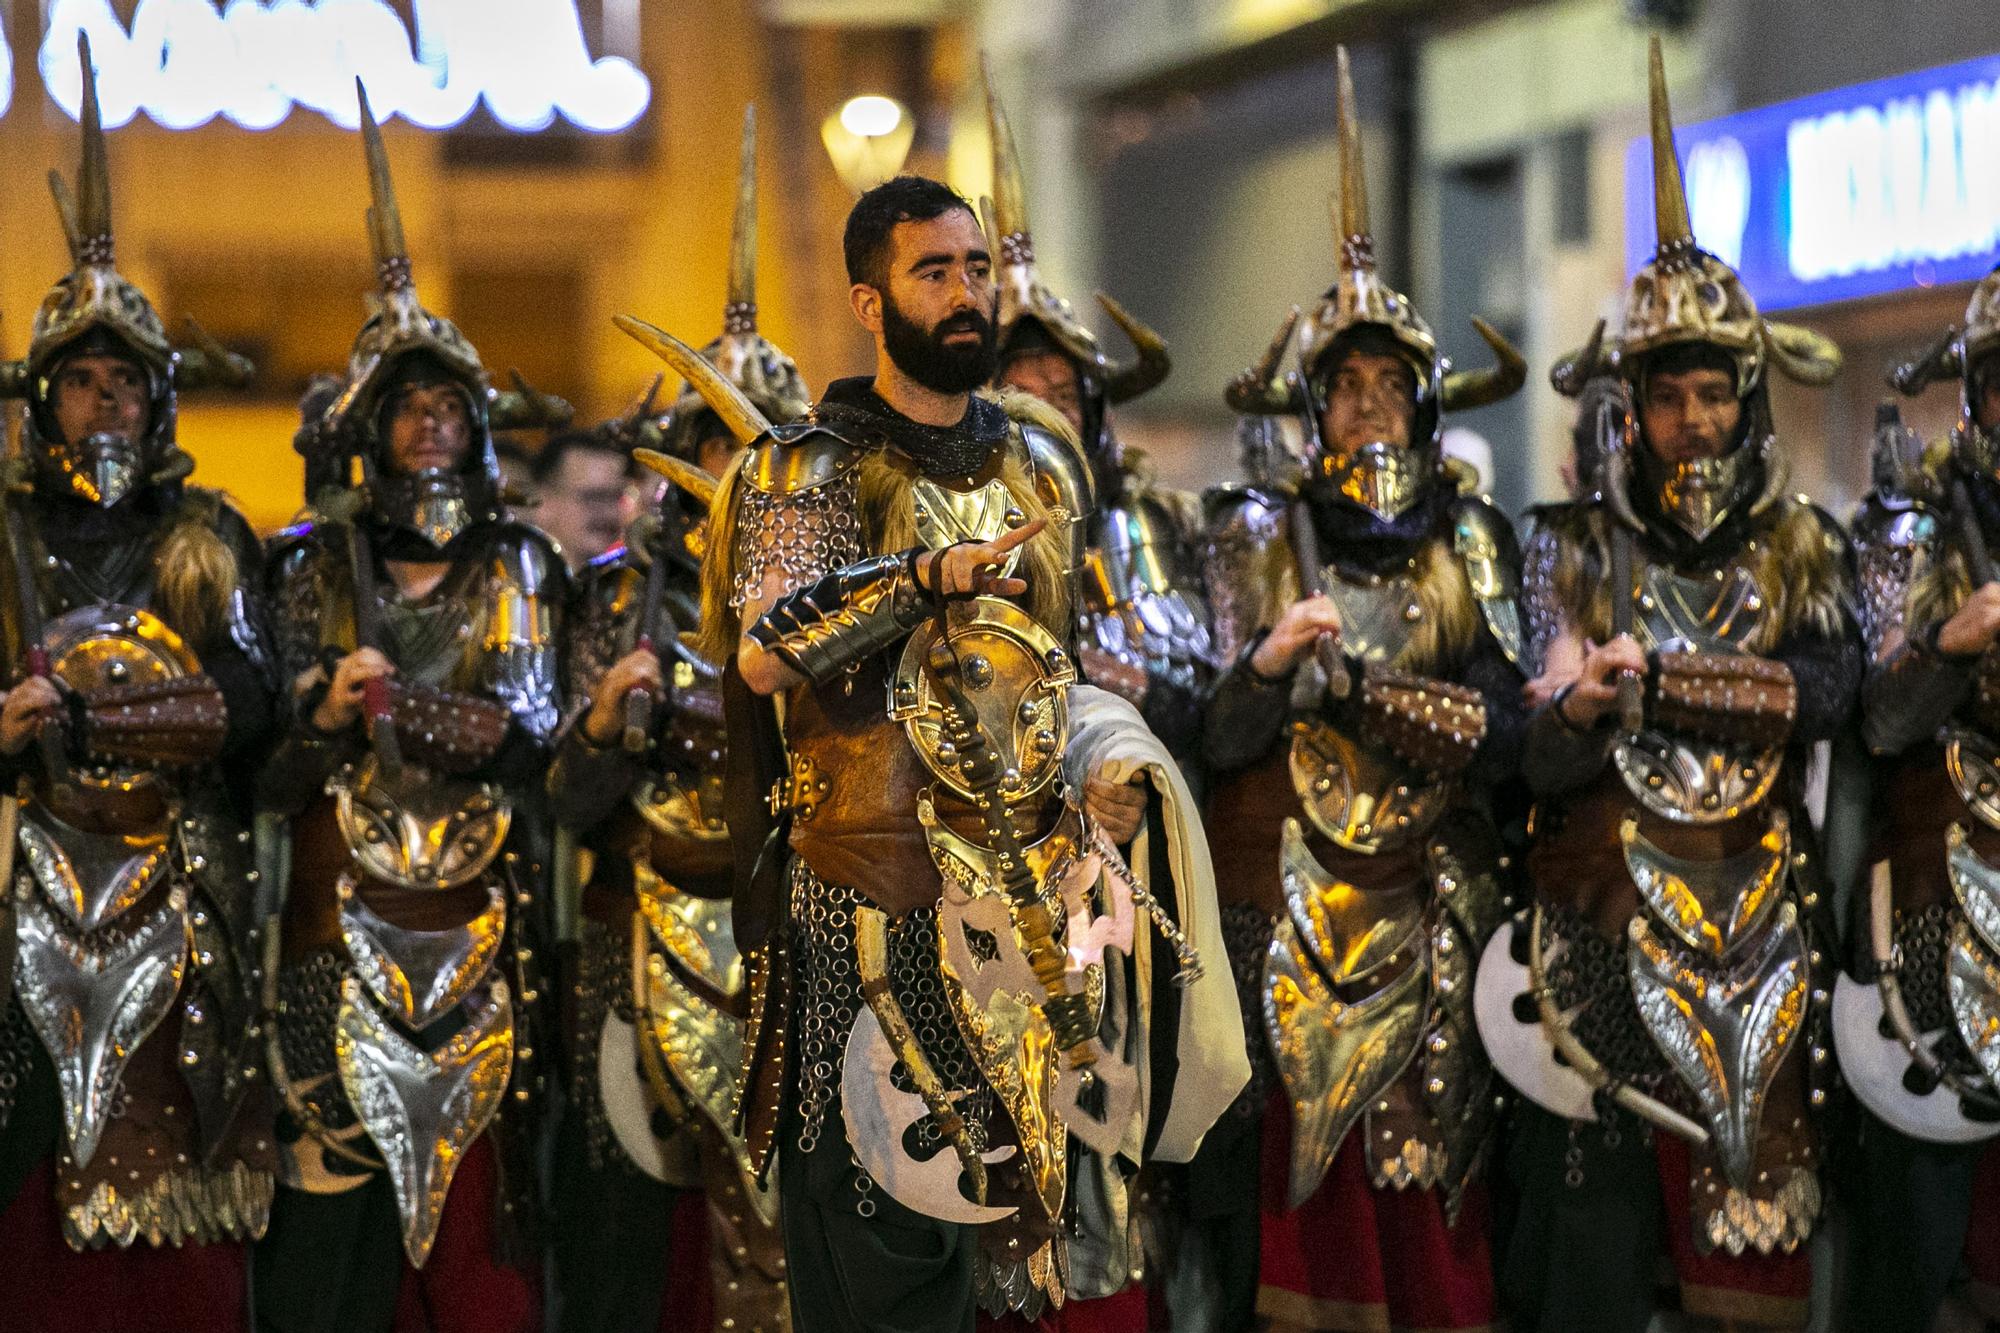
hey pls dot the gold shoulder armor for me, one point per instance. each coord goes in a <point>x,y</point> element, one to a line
<point>1061,474</point>
<point>799,457</point>
<point>1484,543</point>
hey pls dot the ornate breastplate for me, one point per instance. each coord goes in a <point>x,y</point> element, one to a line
<point>420,830</point>
<point>1681,778</point>
<point>1356,792</point>
<point>1016,673</point>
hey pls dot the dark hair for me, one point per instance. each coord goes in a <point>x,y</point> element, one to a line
<point>876,213</point>
<point>545,464</point>
<point>1681,357</point>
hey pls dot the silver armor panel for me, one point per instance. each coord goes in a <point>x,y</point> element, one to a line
<point>1140,603</point>
<point>420,830</point>
<point>1892,551</point>
<point>522,585</point>
<point>1337,1051</point>
<point>94,998</point>
<point>417,975</point>
<point>423,1111</point>
<point>1476,541</point>
<point>1712,906</point>
<point>682,946</point>
<point>1725,1027</point>
<point>92,878</point>
<point>1972,981</point>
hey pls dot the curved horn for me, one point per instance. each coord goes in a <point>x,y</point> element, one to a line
<point>1010,197</point>
<point>1943,360</point>
<point>1569,375</point>
<point>727,401</point>
<point>1128,382</point>
<point>1467,389</point>
<point>206,363</point>
<point>1670,204</point>
<point>1617,464</point>
<point>1808,357</point>
<point>741,314</point>
<point>385,217</point>
<point>1355,244</point>
<point>643,408</point>
<point>521,406</point>
<point>692,478</point>
<point>93,177</point>
<point>1258,391</point>
<point>66,210</point>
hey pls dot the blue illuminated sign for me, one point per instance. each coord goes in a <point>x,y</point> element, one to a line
<point>1868,189</point>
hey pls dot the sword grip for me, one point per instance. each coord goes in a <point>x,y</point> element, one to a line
<point>382,727</point>
<point>1333,664</point>
<point>638,709</point>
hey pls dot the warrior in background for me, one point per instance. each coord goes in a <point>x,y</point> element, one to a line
<point>417,627</point>
<point>136,1144</point>
<point>1915,1028</point>
<point>655,1004</point>
<point>1370,707</point>
<point>1663,1004</point>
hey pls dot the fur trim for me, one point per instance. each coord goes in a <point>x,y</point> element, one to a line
<point>1450,624</point>
<point>1794,555</point>
<point>194,571</point>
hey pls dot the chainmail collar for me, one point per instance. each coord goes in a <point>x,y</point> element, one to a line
<point>852,407</point>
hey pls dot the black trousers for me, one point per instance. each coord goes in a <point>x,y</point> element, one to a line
<point>893,1271</point>
<point>1580,1257</point>
<point>330,1263</point>
<point>613,1230</point>
<point>1908,1204</point>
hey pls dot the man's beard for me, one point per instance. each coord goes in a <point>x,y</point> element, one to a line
<point>925,357</point>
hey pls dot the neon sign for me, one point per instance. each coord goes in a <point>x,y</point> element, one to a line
<point>1850,193</point>
<point>186,62</point>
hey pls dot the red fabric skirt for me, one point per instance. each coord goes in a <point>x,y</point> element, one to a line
<point>1982,1243</point>
<point>1751,1288</point>
<point>139,1289</point>
<point>1355,1259</point>
<point>1123,1313</point>
<point>461,1288</point>
<point>687,1305</point>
